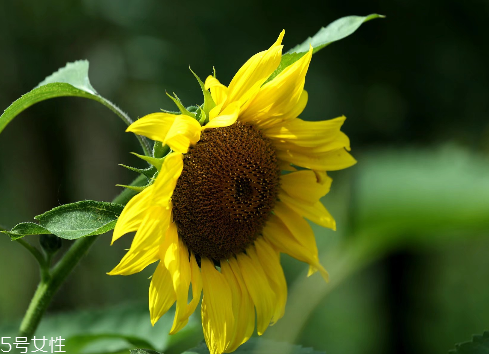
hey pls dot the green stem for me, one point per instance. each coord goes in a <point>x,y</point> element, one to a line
<point>37,255</point>
<point>48,286</point>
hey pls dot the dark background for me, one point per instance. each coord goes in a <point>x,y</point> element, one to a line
<point>415,90</point>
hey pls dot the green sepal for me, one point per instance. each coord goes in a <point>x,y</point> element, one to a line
<point>133,188</point>
<point>160,149</point>
<point>335,31</point>
<point>176,113</point>
<point>72,221</point>
<point>147,172</point>
<point>202,117</point>
<point>180,106</point>
<point>208,101</point>
<point>156,162</point>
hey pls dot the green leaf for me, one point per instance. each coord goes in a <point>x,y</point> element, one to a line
<point>72,221</point>
<point>26,228</point>
<point>71,80</point>
<point>260,346</point>
<point>478,345</point>
<point>78,342</point>
<point>335,31</point>
<point>144,351</point>
<point>85,218</point>
<point>112,330</point>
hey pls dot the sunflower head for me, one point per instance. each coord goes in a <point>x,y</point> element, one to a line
<point>220,210</point>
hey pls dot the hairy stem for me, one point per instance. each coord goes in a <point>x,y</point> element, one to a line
<point>49,285</point>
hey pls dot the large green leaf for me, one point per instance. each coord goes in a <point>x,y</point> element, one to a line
<point>72,80</point>
<point>335,31</point>
<point>478,345</point>
<point>144,351</point>
<point>113,330</point>
<point>260,346</point>
<point>72,221</point>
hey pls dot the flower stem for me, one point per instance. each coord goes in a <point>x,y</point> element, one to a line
<point>50,284</point>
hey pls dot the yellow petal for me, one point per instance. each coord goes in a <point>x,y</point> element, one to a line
<point>175,257</point>
<point>214,112</point>
<point>323,161</point>
<point>178,131</point>
<point>278,98</point>
<point>185,131</point>
<point>259,289</point>
<point>150,234</point>
<point>243,308</point>
<point>295,111</point>
<point>292,242</point>
<point>225,118</point>
<point>133,214</point>
<point>305,133</point>
<point>161,294</point>
<point>299,227</point>
<point>340,141</point>
<point>270,261</point>
<point>196,280</point>
<point>217,309</point>
<point>167,180</point>
<point>306,185</point>
<point>316,212</point>
<point>154,126</point>
<point>145,246</point>
<point>219,92</point>
<point>254,73</point>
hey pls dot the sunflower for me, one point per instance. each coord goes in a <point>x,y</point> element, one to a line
<point>221,211</point>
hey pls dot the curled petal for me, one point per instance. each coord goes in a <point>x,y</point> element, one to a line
<point>178,131</point>
<point>226,118</point>
<point>219,92</point>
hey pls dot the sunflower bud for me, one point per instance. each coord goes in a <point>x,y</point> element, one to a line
<point>50,244</point>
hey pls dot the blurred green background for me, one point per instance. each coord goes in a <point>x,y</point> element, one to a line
<point>409,264</point>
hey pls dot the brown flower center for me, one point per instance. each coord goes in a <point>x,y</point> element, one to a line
<point>227,190</point>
